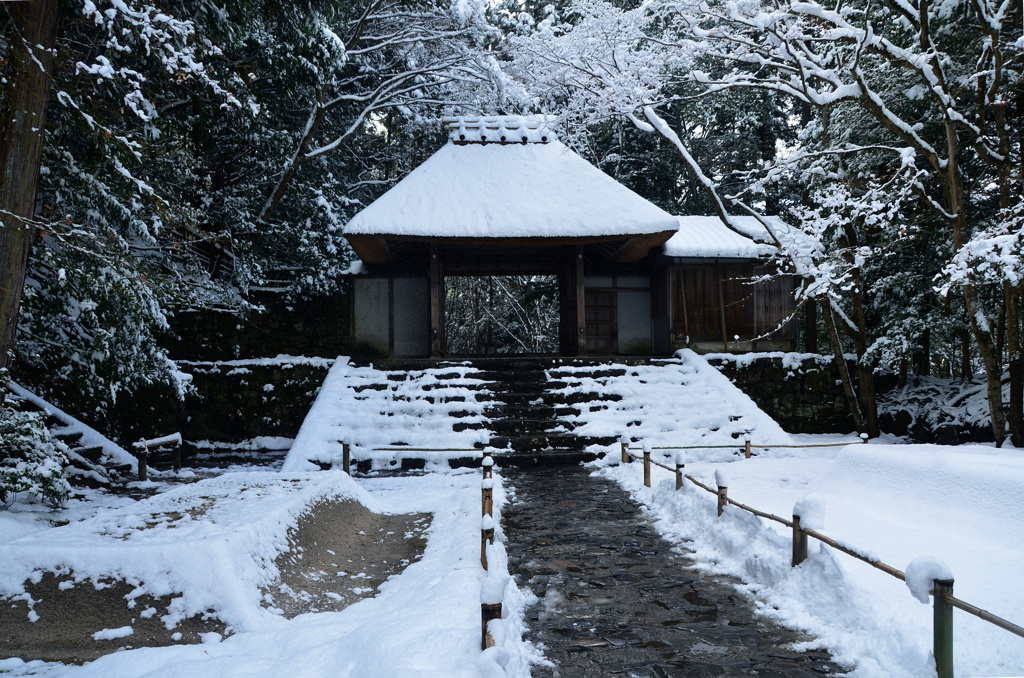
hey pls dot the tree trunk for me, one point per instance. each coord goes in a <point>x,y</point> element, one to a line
<point>1015,416</point>
<point>865,370</point>
<point>979,322</point>
<point>923,364</point>
<point>844,373</point>
<point>22,125</point>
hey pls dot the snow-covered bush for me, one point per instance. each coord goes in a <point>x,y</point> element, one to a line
<point>32,460</point>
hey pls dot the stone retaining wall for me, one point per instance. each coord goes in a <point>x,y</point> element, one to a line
<point>797,390</point>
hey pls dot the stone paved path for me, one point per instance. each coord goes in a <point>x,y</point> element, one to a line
<point>618,600</point>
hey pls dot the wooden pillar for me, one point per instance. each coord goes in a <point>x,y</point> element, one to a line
<point>721,308</point>
<point>436,303</point>
<point>581,306</point>
<point>572,309</point>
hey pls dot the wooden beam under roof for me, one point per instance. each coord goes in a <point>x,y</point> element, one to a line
<point>374,250</point>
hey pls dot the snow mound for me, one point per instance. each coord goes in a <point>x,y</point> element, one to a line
<point>811,510</point>
<point>922,572</point>
<point>211,544</point>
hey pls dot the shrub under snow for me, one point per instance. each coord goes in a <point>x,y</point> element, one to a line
<point>31,459</point>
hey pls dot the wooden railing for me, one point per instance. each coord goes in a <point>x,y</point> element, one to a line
<point>942,590</point>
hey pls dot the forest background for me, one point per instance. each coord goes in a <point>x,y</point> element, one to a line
<point>161,158</point>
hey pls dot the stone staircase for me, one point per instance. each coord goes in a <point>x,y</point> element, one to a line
<point>93,461</point>
<point>534,411</point>
<point>531,417</point>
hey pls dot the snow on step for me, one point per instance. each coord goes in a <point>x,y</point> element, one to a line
<point>375,408</point>
<point>682,401</point>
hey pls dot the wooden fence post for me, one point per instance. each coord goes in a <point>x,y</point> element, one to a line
<point>647,464</point>
<point>680,469</point>
<point>799,542</point>
<point>942,629</point>
<point>624,446</point>
<point>746,445</point>
<point>487,497</point>
<point>346,457</point>
<point>487,613</point>
<point>143,460</point>
<point>487,464</point>
<point>723,497</point>
<point>486,537</point>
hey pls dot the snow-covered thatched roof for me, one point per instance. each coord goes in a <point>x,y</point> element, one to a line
<point>709,238</point>
<point>529,186</point>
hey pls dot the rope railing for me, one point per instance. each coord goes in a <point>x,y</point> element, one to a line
<point>942,590</point>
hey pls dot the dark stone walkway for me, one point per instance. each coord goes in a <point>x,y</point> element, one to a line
<point>618,600</point>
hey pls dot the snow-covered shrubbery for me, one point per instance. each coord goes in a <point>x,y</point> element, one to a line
<point>33,460</point>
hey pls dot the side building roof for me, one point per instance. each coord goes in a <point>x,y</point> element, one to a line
<point>706,237</point>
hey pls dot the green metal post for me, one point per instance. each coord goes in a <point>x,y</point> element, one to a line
<point>942,629</point>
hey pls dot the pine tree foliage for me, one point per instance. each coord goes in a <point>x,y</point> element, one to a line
<point>172,130</point>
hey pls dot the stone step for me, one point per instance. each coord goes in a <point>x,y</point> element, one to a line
<point>513,427</point>
<point>555,457</point>
<point>541,442</point>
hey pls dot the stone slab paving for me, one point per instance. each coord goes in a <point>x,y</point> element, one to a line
<point>618,600</point>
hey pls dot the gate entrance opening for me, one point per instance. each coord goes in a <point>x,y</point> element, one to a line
<point>501,314</point>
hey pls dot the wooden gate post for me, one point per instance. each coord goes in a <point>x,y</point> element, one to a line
<point>942,628</point>
<point>746,445</point>
<point>487,613</point>
<point>624,446</point>
<point>799,542</point>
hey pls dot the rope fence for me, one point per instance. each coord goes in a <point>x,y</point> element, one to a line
<point>942,590</point>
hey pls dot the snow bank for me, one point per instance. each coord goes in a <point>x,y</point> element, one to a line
<point>964,505</point>
<point>423,622</point>
<point>211,544</point>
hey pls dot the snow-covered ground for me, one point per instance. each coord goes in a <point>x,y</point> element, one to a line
<point>213,543</point>
<point>963,505</point>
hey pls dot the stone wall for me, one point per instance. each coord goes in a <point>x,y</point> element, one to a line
<point>231,402</point>
<point>797,390</point>
<point>321,327</point>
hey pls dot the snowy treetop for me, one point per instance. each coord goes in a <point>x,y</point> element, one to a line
<point>508,129</point>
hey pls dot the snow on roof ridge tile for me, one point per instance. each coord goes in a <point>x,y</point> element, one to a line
<point>501,129</point>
